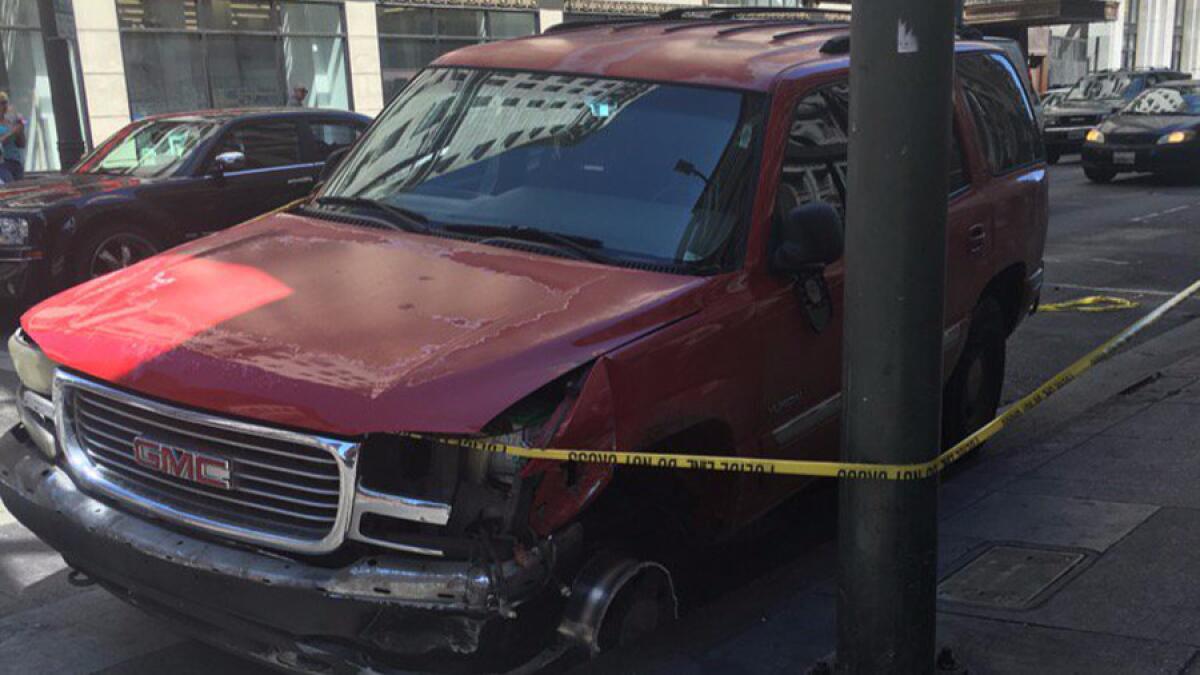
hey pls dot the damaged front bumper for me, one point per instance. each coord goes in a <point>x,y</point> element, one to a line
<point>381,610</point>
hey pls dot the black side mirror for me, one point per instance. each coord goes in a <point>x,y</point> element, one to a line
<point>807,239</point>
<point>331,162</point>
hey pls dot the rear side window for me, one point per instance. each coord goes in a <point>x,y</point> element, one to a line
<point>265,144</point>
<point>331,136</point>
<point>1004,119</point>
<point>815,160</point>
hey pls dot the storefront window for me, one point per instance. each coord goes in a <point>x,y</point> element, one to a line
<point>411,37</point>
<point>575,17</point>
<point>193,54</point>
<point>164,71</point>
<point>24,76</point>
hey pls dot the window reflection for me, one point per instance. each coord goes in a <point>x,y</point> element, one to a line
<point>23,74</point>
<point>552,152</point>
<point>1004,119</point>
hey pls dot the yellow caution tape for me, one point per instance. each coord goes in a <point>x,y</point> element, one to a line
<point>797,467</point>
<point>1092,303</point>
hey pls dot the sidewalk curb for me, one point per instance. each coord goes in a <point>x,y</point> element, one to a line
<point>1104,382</point>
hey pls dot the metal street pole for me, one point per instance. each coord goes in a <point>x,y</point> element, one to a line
<point>901,56</point>
<point>57,34</point>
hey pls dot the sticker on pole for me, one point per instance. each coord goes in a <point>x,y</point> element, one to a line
<point>906,40</point>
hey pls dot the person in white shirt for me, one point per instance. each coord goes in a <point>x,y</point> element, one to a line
<point>12,142</point>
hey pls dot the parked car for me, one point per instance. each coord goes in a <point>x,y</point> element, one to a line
<point>1156,133</point>
<point>594,239</point>
<point>155,183</point>
<point>1053,96</point>
<point>1090,101</point>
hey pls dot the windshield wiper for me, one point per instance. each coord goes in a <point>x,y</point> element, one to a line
<point>401,218</point>
<point>582,247</point>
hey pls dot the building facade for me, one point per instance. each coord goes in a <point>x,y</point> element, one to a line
<point>79,70</point>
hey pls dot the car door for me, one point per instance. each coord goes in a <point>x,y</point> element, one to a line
<point>274,172</point>
<point>1006,132</point>
<point>801,371</point>
<point>801,363</point>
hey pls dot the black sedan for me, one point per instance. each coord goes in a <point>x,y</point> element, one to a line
<point>157,182</point>
<point>1067,119</point>
<point>1157,132</point>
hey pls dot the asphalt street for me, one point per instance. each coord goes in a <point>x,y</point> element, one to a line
<point>1136,239</point>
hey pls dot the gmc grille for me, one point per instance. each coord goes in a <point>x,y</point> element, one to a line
<point>283,489</point>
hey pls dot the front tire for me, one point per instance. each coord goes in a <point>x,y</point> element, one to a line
<point>1098,175</point>
<point>112,248</point>
<point>972,394</point>
<point>1053,155</point>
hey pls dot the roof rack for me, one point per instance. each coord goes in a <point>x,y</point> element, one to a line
<point>596,23</point>
<point>702,14</point>
<point>708,12</point>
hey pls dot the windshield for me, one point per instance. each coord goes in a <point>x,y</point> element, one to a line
<point>148,150</point>
<point>1167,101</point>
<point>1100,87</point>
<point>650,173</point>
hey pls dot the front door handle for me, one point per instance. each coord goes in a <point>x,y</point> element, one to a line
<point>300,180</point>
<point>976,238</point>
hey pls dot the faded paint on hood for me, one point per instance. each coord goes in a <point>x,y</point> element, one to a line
<point>348,330</point>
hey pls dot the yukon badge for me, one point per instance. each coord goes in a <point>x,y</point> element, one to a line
<point>182,464</point>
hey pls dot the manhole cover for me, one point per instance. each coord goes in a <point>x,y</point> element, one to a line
<point>1008,577</point>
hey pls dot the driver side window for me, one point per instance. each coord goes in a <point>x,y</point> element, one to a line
<point>814,161</point>
<point>265,144</point>
<point>815,164</point>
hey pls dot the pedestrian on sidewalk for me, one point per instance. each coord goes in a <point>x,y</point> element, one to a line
<point>12,142</point>
<point>299,96</point>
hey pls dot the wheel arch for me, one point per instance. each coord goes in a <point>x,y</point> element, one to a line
<point>88,221</point>
<point>691,502</point>
<point>1008,288</point>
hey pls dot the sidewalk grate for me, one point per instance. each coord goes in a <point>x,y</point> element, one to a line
<point>1008,577</point>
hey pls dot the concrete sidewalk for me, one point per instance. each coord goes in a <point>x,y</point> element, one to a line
<point>1075,553</point>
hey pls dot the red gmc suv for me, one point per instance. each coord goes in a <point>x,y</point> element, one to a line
<point>609,236</point>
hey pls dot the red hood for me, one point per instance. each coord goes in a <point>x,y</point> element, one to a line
<point>348,330</point>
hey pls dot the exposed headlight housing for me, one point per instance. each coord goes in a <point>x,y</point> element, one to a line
<point>1176,137</point>
<point>34,368</point>
<point>1095,136</point>
<point>35,403</point>
<point>14,231</point>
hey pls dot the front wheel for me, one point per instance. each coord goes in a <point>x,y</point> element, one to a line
<point>1053,155</point>
<point>1098,175</point>
<point>112,248</point>
<point>972,394</point>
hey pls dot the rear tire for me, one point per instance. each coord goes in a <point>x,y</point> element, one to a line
<point>111,248</point>
<point>972,394</point>
<point>1097,175</point>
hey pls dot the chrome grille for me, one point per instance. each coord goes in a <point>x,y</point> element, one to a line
<point>285,489</point>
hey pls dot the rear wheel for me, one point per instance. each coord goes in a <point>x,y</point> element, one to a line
<point>972,394</point>
<point>1098,175</point>
<point>113,248</point>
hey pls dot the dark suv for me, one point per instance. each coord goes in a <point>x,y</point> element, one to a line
<point>157,182</point>
<point>1070,116</point>
<point>599,238</point>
